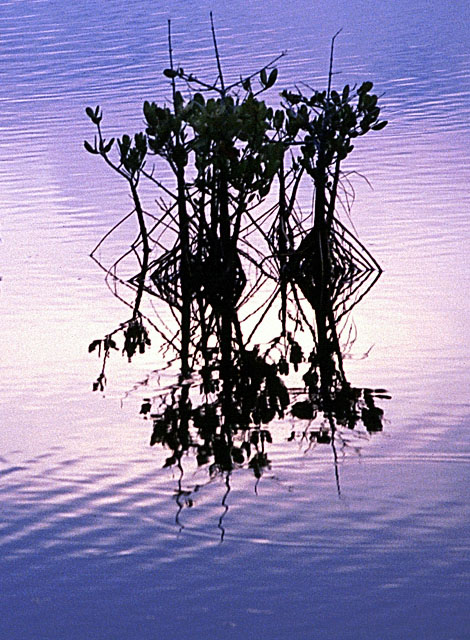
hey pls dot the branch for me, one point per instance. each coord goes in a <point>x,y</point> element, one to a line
<point>330,72</point>
<point>217,57</point>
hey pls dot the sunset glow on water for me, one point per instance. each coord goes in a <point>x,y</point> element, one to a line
<point>99,539</point>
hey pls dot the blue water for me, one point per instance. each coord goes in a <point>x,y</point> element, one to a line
<point>93,541</point>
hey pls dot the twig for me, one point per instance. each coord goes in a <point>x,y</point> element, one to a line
<point>217,57</point>
<point>330,72</point>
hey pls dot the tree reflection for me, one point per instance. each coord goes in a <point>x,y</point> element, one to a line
<point>220,411</point>
<point>221,415</point>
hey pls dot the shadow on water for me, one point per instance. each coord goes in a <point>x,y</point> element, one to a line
<point>260,286</point>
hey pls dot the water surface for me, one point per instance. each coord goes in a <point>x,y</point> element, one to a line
<point>94,543</point>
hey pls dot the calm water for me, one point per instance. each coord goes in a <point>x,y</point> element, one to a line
<point>93,543</point>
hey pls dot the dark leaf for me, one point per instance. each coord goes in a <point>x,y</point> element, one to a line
<point>246,84</point>
<point>323,437</point>
<point>271,79</point>
<point>278,119</point>
<point>365,87</point>
<point>304,410</point>
<point>89,148</point>
<point>237,455</point>
<point>107,148</point>
<point>146,407</point>
<point>170,462</point>
<point>379,125</point>
<point>94,345</point>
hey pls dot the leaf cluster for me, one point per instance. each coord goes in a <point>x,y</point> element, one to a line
<point>258,397</point>
<point>325,124</point>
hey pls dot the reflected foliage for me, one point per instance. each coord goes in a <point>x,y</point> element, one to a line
<point>222,416</point>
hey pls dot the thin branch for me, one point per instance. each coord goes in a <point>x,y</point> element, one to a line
<point>217,57</point>
<point>240,82</point>
<point>330,72</point>
<point>170,52</point>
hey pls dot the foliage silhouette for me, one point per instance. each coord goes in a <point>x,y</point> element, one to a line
<point>232,250</point>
